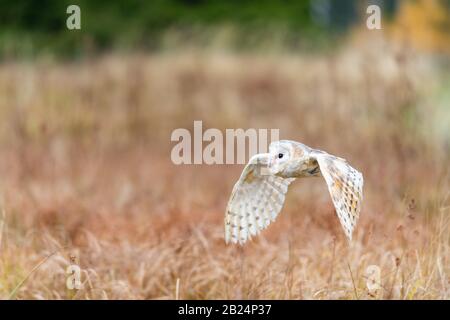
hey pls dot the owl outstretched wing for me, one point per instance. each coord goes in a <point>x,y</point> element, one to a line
<point>346,188</point>
<point>255,201</point>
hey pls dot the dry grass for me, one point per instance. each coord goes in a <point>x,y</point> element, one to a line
<point>85,174</point>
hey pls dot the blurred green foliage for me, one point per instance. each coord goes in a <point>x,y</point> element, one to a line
<point>30,27</point>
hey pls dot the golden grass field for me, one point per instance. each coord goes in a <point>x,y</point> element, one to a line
<point>86,175</point>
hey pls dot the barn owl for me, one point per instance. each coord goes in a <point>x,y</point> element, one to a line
<point>259,194</point>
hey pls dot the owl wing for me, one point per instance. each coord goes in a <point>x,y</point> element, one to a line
<point>346,188</point>
<point>255,201</point>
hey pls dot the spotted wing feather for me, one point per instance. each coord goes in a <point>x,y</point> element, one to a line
<point>345,185</point>
<point>255,201</point>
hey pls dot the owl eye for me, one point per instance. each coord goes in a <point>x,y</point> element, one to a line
<point>280,155</point>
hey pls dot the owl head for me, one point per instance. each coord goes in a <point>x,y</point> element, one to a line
<point>282,152</point>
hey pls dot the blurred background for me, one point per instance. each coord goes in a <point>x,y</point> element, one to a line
<point>85,123</point>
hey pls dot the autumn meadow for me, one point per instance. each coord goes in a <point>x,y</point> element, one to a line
<point>86,176</point>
